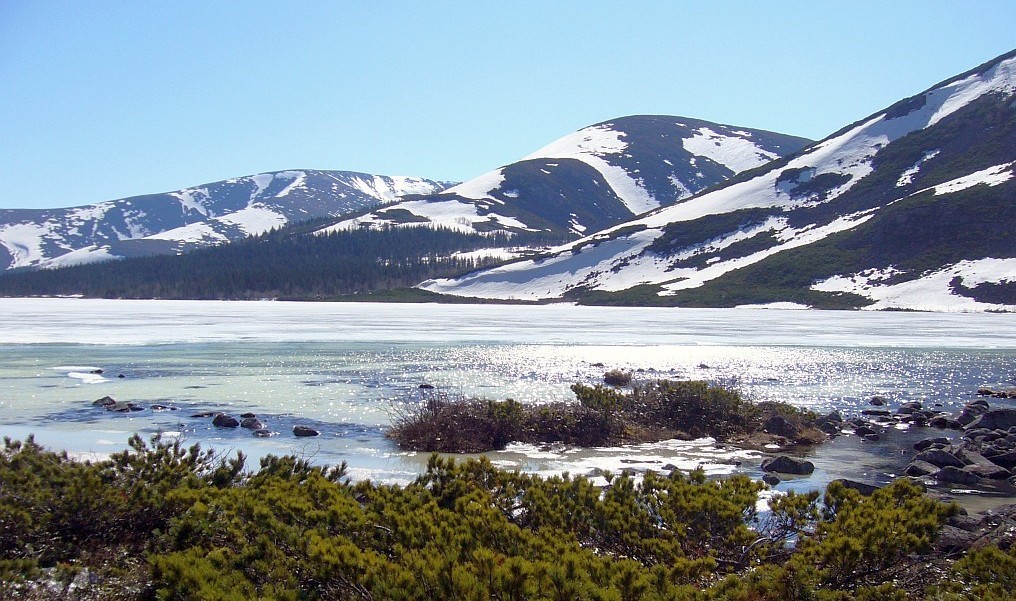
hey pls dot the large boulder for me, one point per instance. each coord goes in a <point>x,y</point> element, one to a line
<point>945,423</point>
<point>978,406</point>
<point>788,465</point>
<point>918,468</point>
<point>910,408</point>
<point>105,401</point>
<point>939,458</point>
<point>865,431</point>
<point>251,423</point>
<point>994,419</point>
<point>832,417</point>
<point>224,421</point>
<point>955,475</point>
<point>953,541</point>
<point>304,431</point>
<point>982,466</point>
<point>1006,460</point>
<point>972,411</point>
<point>861,487</point>
<point>938,441</point>
<point>781,426</point>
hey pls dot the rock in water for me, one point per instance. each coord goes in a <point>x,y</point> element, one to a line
<point>251,423</point>
<point>788,465</point>
<point>304,431</point>
<point>224,421</point>
<point>105,401</point>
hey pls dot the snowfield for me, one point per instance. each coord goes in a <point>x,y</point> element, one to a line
<point>734,153</point>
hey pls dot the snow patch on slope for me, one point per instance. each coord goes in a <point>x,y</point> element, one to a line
<point>299,178</point>
<point>402,185</point>
<point>992,176</point>
<point>81,215</point>
<point>735,153</point>
<point>479,188</point>
<point>261,182</point>
<point>24,242</point>
<point>193,199</point>
<point>195,233</point>
<point>499,254</point>
<point>254,220</point>
<point>590,145</point>
<point>907,177</point>
<point>931,291</point>
<point>693,278</point>
<point>388,189</point>
<point>81,256</point>
<point>952,97</point>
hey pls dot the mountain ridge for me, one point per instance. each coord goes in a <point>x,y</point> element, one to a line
<point>950,140</point>
<point>181,220</point>
<point>592,178</point>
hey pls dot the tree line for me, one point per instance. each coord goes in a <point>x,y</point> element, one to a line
<point>285,263</point>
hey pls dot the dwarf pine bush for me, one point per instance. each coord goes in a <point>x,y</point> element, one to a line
<point>204,528</point>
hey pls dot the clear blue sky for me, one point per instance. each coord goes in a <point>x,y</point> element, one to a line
<point>102,100</point>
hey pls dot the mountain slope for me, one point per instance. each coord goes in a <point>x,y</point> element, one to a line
<point>205,215</point>
<point>909,208</point>
<point>591,179</point>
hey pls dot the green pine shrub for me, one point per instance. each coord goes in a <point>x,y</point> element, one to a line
<point>173,523</point>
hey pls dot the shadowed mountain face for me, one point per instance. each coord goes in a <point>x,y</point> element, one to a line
<point>912,207</point>
<point>207,215</point>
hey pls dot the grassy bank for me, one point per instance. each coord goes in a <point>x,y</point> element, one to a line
<point>603,416</point>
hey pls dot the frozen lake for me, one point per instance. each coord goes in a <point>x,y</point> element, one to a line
<point>341,368</point>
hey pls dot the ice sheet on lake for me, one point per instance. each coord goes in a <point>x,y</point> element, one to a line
<point>102,322</point>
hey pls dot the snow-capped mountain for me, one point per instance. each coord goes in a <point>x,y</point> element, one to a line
<point>179,221</point>
<point>913,207</point>
<point>591,179</point>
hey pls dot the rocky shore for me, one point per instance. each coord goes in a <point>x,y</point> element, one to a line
<point>971,457</point>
